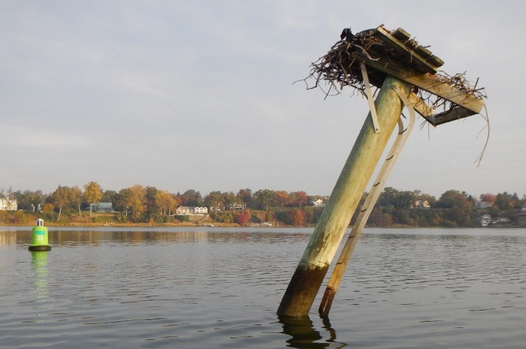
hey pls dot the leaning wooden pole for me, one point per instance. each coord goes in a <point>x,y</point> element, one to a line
<point>346,195</point>
<point>367,209</point>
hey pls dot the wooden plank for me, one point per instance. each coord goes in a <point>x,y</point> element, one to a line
<point>406,54</point>
<point>452,114</point>
<point>370,100</point>
<point>404,38</point>
<point>401,35</point>
<point>434,85</point>
<point>419,105</point>
<point>430,83</point>
<point>435,61</point>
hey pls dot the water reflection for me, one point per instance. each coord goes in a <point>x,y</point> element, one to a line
<point>305,335</point>
<point>8,238</point>
<point>40,280</point>
<point>61,237</point>
<point>39,263</point>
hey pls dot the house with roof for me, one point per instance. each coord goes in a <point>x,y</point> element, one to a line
<point>485,220</point>
<point>318,203</point>
<point>191,210</point>
<point>483,205</point>
<point>422,204</point>
<point>103,207</point>
<point>6,204</point>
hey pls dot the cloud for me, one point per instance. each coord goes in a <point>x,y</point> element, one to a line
<point>201,95</point>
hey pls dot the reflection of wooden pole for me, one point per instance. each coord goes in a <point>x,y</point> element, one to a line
<point>367,208</point>
<point>344,199</point>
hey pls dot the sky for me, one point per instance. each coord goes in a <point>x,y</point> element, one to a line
<point>200,95</point>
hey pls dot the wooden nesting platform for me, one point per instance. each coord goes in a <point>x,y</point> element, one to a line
<point>402,57</point>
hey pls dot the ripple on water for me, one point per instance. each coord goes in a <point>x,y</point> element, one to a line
<point>411,289</point>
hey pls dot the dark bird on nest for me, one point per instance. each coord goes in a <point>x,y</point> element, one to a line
<point>346,34</point>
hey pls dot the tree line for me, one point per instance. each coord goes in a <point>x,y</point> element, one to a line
<point>139,204</point>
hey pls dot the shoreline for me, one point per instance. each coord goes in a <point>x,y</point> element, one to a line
<point>230,225</point>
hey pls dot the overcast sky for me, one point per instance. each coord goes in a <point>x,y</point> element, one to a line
<point>199,95</point>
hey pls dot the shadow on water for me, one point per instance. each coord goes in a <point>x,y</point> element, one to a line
<point>304,334</point>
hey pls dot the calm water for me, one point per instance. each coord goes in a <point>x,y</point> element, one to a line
<point>220,288</point>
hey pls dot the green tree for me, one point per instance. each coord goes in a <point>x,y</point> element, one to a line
<point>215,201</point>
<point>191,197</point>
<point>312,214</point>
<point>61,199</point>
<point>245,195</point>
<point>75,198</point>
<point>459,208</point>
<point>388,197</point>
<point>108,196</point>
<point>122,201</point>
<point>152,210</point>
<point>298,198</point>
<point>263,198</point>
<point>92,194</point>
<point>504,201</point>
<point>230,199</point>
<point>29,200</point>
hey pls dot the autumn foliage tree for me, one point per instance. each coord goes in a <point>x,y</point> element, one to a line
<point>137,201</point>
<point>92,194</point>
<point>166,202</point>
<point>460,208</point>
<point>242,218</point>
<point>298,198</point>
<point>148,204</point>
<point>487,198</point>
<point>298,218</point>
<point>282,198</point>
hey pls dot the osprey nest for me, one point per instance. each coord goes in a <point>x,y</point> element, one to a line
<point>341,66</point>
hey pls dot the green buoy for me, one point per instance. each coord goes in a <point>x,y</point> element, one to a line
<point>40,239</point>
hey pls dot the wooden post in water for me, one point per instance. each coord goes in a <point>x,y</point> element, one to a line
<point>345,197</point>
<point>396,63</point>
<point>366,210</point>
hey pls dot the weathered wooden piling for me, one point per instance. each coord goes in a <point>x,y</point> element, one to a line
<point>366,210</point>
<point>345,197</point>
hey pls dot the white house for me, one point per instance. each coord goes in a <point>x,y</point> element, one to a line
<point>422,204</point>
<point>485,220</point>
<point>318,203</point>
<point>237,207</point>
<point>200,210</point>
<point>483,205</point>
<point>191,210</point>
<point>6,204</point>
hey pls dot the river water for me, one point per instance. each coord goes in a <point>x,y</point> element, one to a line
<point>220,288</point>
